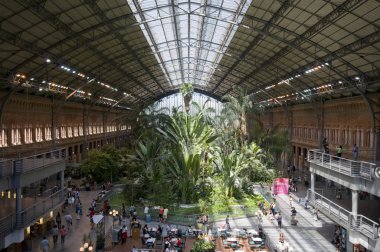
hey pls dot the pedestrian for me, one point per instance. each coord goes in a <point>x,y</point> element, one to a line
<point>161,213</point>
<point>279,220</point>
<point>339,151</point>
<point>294,169</point>
<point>58,219</point>
<point>325,145</point>
<point>44,245</point>
<point>288,170</point>
<point>124,234</point>
<point>63,233</point>
<point>69,221</point>
<point>291,202</point>
<point>281,238</point>
<point>146,211</point>
<point>315,213</point>
<point>55,232</point>
<point>228,227</point>
<point>355,152</point>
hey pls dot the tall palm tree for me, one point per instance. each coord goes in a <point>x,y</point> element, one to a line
<point>187,91</point>
<point>236,109</point>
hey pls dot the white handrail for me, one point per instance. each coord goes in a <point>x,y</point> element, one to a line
<point>345,218</point>
<point>7,166</point>
<point>341,165</point>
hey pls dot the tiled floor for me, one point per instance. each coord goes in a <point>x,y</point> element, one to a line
<point>308,235</point>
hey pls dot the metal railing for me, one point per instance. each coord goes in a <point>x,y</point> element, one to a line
<point>343,217</point>
<point>7,166</point>
<point>344,166</point>
<point>32,213</point>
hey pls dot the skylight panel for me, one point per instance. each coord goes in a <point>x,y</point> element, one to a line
<point>212,27</point>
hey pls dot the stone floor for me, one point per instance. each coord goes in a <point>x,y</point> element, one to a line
<point>307,236</point>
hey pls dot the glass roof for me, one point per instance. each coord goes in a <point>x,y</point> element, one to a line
<point>189,38</point>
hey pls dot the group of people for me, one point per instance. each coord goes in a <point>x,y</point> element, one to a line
<point>339,149</point>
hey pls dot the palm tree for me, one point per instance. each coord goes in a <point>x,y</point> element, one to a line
<point>187,91</point>
<point>229,168</point>
<point>274,140</point>
<point>236,109</point>
<point>189,137</point>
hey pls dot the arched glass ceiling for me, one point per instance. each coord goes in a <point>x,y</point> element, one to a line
<point>176,101</point>
<point>189,39</point>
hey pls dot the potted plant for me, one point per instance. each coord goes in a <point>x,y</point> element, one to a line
<point>187,91</point>
<point>203,245</point>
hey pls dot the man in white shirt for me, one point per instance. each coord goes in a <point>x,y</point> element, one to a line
<point>146,211</point>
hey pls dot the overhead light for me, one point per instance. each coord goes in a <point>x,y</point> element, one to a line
<point>124,93</point>
<point>48,60</point>
<point>357,78</point>
<point>31,78</point>
<point>340,82</point>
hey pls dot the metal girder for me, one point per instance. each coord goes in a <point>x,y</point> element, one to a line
<point>60,26</point>
<point>321,24</point>
<point>99,12</point>
<point>203,5</point>
<point>276,16</point>
<point>177,37</point>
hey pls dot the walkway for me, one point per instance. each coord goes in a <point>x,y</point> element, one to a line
<point>74,239</point>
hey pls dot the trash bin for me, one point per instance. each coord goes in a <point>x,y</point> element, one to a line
<point>115,236</point>
<point>147,218</point>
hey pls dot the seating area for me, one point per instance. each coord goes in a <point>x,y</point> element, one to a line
<point>240,239</point>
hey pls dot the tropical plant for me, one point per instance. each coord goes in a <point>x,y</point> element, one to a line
<point>272,140</point>
<point>101,166</point>
<point>235,112</point>
<point>189,137</point>
<point>231,164</point>
<point>187,91</point>
<point>202,245</point>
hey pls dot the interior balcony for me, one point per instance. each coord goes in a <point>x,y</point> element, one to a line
<point>356,175</point>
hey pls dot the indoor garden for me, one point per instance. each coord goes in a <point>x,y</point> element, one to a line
<point>206,161</point>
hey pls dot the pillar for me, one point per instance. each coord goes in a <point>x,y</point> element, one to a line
<point>355,200</point>
<point>85,132</point>
<point>312,181</point>
<point>17,171</point>
<point>61,184</point>
<point>354,207</point>
<point>296,158</point>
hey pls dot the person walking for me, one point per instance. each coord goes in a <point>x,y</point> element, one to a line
<point>281,238</point>
<point>339,151</point>
<point>228,227</point>
<point>279,220</point>
<point>315,213</point>
<point>58,219</point>
<point>44,245</point>
<point>63,233</point>
<point>69,221</point>
<point>55,232</point>
<point>355,152</point>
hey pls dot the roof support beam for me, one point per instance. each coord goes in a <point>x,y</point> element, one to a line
<point>276,16</point>
<point>177,37</point>
<point>60,26</point>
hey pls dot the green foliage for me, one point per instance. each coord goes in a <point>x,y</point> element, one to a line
<point>202,245</point>
<point>100,166</point>
<point>187,89</point>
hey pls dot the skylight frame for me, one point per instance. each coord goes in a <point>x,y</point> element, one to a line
<point>177,30</point>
